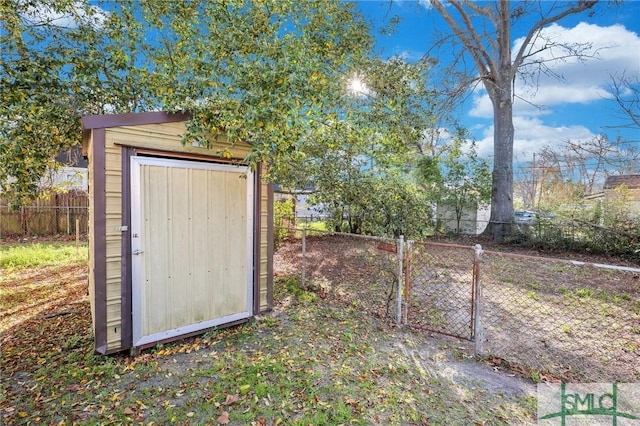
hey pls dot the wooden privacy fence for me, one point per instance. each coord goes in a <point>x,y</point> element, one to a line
<point>65,213</point>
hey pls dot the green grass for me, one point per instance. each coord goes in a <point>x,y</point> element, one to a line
<point>41,254</point>
<point>317,226</point>
<point>313,228</point>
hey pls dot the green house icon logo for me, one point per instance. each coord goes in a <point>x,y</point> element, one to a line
<point>592,404</point>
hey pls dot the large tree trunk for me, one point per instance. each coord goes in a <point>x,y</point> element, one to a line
<point>491,52</point>
<point>502,194</point>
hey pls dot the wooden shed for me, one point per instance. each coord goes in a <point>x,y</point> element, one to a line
<point>180,236</point>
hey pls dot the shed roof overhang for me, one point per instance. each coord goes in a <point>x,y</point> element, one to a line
<point>90,122</point>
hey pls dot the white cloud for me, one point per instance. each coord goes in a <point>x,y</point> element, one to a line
<point>615,49</point>
<point>482,107</point>
<point>72,16</point>
<point>407,55</point>
<point>531,135</point>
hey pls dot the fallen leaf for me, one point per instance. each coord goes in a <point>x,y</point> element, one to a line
<point>224,418</point>
<point>231,399</point>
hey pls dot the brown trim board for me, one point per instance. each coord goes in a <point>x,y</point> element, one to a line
<point>257,237</point>
<point>270,247</point>
<point>99,241</point>
<point>159,153</point>
<point>126,330</point>
<point>132,119</point>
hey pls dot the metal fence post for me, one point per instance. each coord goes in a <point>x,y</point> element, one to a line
<point>304,256</point>
<point>478,334</point>
<point>407,281</point>
<point>399,252</point>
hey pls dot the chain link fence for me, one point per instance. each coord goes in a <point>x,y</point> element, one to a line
<point>440,287</point>
<point>560,318</point>
<point>356,270</point>
<point>550,318</point>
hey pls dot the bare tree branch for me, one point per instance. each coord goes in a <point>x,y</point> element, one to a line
<point>473,44</point>
<point>581,6</point>
<point>626,91</point>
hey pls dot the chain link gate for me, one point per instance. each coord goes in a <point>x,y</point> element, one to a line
<point>441,287</point>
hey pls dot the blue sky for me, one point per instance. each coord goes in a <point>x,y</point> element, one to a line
<point>577,108</point>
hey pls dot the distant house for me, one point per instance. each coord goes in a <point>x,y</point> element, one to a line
<point>473,220</point>
<point>72,173</point>
<point>625,186</point>
<point>303,210</point>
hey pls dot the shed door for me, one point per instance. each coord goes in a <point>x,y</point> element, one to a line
<point>191,244</point>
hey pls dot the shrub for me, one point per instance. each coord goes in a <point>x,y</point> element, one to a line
<point>284,219</point>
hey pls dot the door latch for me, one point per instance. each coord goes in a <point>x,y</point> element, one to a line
<point>137,252</point>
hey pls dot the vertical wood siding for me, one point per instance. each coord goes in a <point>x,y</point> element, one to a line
<point>113,236</point>
<point>195,230</point>
<point>264,246</point>
<point>92,232</point>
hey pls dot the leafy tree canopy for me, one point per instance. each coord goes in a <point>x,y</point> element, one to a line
<point>360,162</point>
<point>262,71</point>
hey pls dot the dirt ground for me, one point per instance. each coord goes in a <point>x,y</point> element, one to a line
<point>542,315</point>
<point>341,332</point>
<point>357,359</point>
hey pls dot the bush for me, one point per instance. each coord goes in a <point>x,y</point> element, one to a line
<point>284,218</point>
<point>584,237</point>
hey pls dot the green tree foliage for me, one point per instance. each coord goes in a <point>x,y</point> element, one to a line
<point>263,71</point>
<point>50,74</point>
<point>360,161</point>
<point>397,101</point>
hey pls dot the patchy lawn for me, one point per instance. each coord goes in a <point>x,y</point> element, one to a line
<point>546,318</point>
<point>314,360</point>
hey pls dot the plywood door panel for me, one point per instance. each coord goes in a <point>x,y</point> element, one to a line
<point>192,224</point>
<point>199,248</point>
<point>235,268</point>
<point>155,241</point>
